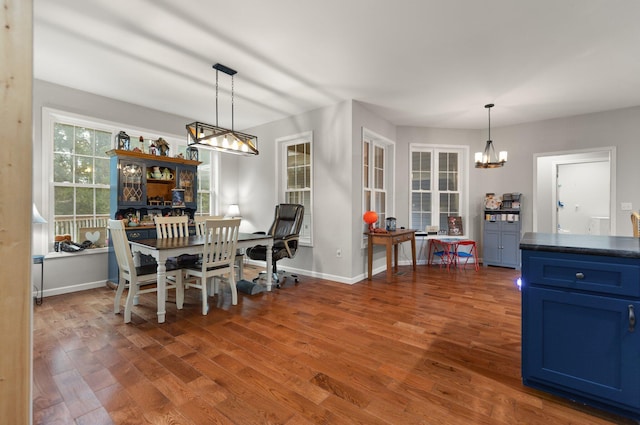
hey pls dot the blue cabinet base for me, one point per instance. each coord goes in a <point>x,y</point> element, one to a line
<point>580,339</point>
<point>584,400</point>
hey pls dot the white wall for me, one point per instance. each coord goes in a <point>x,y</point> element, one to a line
<point>251,181</point>
<point>619,128</point>
<point>440,136</point>
<point>254,179</point>
<point>364,118</point>
<point>337,168</point>
<point>67,272</point>
<point>544,181</point>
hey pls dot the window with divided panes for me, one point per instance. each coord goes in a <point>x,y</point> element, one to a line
<point>437,191</point>
<point>298,178</point>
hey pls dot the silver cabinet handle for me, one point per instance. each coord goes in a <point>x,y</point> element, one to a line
<point>579,275</point>
<point>632,319</point>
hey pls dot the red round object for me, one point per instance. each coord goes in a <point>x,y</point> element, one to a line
<point>370,217</point>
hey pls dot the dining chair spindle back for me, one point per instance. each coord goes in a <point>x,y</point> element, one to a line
<point>218,257</point>
<point>135,278</point>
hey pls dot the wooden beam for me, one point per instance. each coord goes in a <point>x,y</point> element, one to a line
<point>16,75</point>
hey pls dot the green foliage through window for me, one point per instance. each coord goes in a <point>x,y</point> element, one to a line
<point>80,176</point>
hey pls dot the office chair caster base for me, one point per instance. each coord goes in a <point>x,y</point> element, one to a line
<point>262,277</point>
<point>277,279</point>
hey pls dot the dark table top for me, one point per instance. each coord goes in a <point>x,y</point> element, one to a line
<point>618,246</point>
<point>169,243</point>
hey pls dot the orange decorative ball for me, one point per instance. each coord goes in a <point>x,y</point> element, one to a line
<point>370,217</point>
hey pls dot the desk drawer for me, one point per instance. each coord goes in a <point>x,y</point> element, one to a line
<point>402,238</point>
<point>609,275</point>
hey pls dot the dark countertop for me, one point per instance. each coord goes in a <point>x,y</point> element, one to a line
<point>618,246</point>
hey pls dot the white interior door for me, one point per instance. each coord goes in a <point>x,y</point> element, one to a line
<point>582,197</point>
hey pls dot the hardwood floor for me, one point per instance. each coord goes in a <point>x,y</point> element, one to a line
<point>434,347</point>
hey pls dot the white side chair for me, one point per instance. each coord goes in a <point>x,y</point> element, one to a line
<point>172,227</point>
<point>134,278</point>
<point>200,221</point>
<point>218,257</point>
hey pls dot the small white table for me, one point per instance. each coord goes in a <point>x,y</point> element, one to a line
<point>163,249</point>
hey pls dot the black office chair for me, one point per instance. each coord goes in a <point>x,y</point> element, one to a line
<point>286,232</point>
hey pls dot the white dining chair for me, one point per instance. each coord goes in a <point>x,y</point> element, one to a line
<point>218,257</point>
<point>172,227</point>
<point>200,222</point>
<point>138,280</point>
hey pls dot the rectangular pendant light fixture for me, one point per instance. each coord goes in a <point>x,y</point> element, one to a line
<point>207,136</point>
<point>213,137</point>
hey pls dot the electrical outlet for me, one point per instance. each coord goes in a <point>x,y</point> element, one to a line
<point>338,253</point>
<point>626,206</point>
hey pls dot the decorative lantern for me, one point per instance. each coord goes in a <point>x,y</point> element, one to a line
<point>192,153</point>
<point>370,217</point>
<point>123,141</point>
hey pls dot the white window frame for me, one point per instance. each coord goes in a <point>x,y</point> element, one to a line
<point>306,233</point>
<point>378,141</point>
<point>214,182</point>
<point>51,115</point>
<point>463,187</point>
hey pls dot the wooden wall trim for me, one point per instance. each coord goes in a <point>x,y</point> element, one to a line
<point>16,153</point>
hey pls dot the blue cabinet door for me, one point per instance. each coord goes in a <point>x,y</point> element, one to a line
<point>131,183</point>
<point>581,344</point>
<point>491,247</point>
<point>509,250</point>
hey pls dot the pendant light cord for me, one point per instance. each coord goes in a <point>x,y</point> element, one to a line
<point>232,103</point>
<point>489,111</point>
<point>216,97</point>
<point>232,99</point>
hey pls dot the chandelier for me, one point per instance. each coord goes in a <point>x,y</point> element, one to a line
<point>214,137</point>
<point>488,158</point>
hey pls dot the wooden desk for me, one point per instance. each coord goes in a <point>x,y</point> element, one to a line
<point>391,239</point>
<point>162,249</point>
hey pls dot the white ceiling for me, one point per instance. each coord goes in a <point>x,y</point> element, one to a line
<point>432,63</point>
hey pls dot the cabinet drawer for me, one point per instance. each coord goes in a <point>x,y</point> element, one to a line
<point>492,225</point>
<point>608,275</point>
<point>510,226</point>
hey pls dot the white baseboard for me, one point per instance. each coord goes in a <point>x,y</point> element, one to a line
<point>335,278</point>
<point>74,288</point>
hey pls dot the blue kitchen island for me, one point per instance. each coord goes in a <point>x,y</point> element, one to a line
<point>580,331</point>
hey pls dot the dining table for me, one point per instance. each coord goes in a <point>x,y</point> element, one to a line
<point>163,249</point>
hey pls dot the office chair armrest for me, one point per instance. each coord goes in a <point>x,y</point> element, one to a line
<point>290,242</point>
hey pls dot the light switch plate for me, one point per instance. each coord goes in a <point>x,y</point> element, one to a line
<point>626,206</point>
